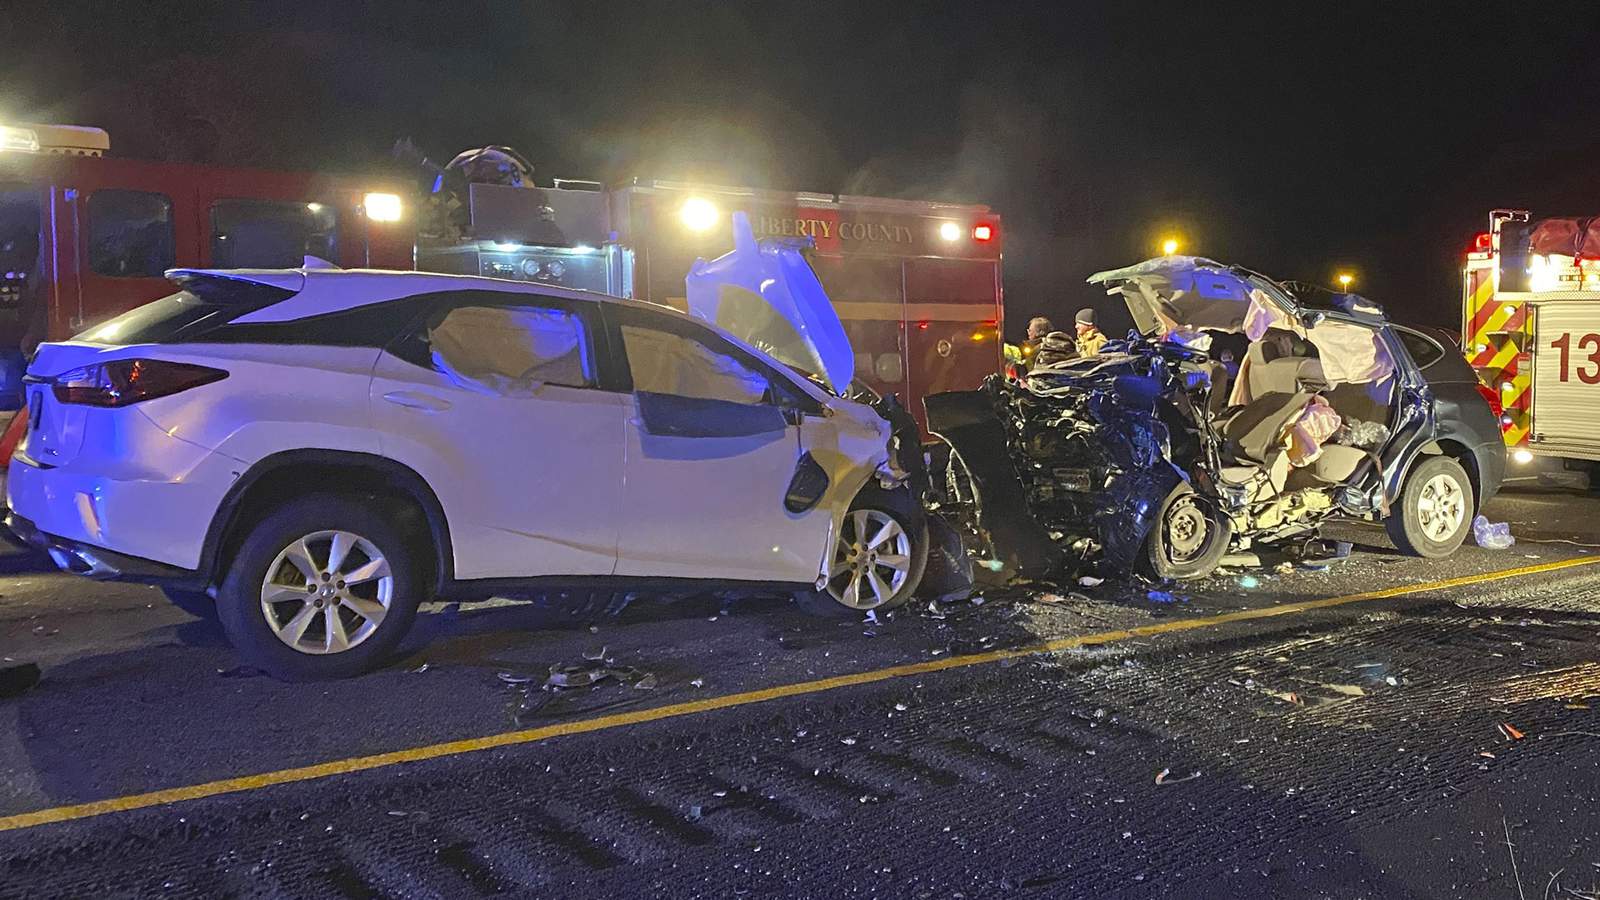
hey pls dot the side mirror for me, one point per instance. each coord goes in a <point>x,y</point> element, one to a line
<point>669,415</point>
<point>1311,318</point>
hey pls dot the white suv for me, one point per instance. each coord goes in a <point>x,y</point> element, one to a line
<point>308,454</point>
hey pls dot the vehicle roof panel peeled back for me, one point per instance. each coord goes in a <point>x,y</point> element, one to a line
<point>765,293</point>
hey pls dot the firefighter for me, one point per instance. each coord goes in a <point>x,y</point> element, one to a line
<point>1090,339</point>
<point>1020,357</point>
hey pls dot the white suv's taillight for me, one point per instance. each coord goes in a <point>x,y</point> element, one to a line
<point>126,381</point>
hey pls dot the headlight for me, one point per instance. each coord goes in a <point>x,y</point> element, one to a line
<point>382,207</point>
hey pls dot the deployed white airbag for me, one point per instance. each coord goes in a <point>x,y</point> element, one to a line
<point>508,351</point>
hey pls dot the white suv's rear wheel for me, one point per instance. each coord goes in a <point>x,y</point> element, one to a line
<point>323,587</point>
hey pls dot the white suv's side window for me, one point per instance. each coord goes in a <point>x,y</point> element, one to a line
<point>510,350</point>
<point>664,362</point>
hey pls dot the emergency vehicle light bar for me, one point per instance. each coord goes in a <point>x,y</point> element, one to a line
<point>62,140</point>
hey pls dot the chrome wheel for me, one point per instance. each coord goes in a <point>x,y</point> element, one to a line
<point>1441,507</point>
<point>871,560</point>
<point>327,592</point>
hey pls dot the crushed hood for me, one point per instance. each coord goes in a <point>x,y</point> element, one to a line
<point>765,293</point>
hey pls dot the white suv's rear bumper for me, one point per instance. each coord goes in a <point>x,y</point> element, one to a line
<point>154,506</point>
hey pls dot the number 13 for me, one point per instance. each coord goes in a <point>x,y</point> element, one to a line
<point>1564,344</point>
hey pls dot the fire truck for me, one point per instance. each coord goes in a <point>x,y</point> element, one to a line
<point>84,236</point>
<point>1530,326</point>
<point>916,284</point>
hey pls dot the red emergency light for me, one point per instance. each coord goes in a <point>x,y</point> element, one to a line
<point>1482,242</point>
<point>983,231</point>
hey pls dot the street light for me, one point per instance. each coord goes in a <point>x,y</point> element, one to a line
<point>1344,281</point>
<point>1169,246</point>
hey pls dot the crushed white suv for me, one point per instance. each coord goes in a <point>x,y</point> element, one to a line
<point>308,454</point>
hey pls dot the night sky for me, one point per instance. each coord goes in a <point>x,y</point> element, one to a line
<point>1295,138</point>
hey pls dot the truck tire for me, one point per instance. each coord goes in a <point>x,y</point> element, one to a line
<point>324,586</point>
<point>1189,539</point>
<point>1435,509</point>
<point>196,603</point>
<point>878,559</point>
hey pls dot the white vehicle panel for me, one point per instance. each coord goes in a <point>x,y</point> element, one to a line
<point>133,488</point>
<point>712,507</point>
<point>275,398</point>
<point>530,485</point>
<point>1566,377</point>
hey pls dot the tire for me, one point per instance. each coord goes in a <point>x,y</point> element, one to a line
<point>196,603</point>
<point>837,600</point>
<point>1189,539</point>
<point>1435,510</point>
<point>309,528</point>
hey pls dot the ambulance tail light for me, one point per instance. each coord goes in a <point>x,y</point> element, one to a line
<point>983,232</point>
<point>1482,242</point>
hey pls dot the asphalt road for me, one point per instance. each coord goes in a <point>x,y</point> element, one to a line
<point>1385,727</point>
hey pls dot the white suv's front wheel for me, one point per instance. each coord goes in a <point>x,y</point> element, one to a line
<point>878,559</point>
<point>323,587</point>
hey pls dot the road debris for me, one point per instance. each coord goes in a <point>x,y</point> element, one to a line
<point>1248,582</point>
<point>598,667</point>
<point>419,669</point>
<point>1348,690</point>
<point>1492,535</point>
<point>1509,732</point>
<point>1090,581</point>
<point>241,672</point>
<point>1163,777</point>
<point>19,679</point>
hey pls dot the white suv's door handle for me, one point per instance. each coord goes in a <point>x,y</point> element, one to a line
<point>417,400</point>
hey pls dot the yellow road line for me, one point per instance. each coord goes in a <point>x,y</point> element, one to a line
<point>745,698</point>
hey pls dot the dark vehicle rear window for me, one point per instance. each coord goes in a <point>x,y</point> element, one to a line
<point>1436,354</point>
<point>206,304</point>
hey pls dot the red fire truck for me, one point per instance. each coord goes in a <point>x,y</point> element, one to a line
<point>917,284</point>
<point>1531,328</point>
<point>83,237</point>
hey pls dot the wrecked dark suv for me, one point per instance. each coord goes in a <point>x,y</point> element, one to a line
<point>1242,412</point>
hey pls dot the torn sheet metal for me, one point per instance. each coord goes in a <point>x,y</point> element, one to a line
<point>1086,459</point>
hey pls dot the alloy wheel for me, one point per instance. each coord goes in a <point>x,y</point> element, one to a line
<point>871,560</point>
<point>327,592</point>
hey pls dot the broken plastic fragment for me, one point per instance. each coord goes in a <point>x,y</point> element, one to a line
<point>1162,596</point>
<point>993,565</point>
<point>1492,535</point>
<point>1510,733</point>
<point>1090,581</point>
<point>1162,777</point>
